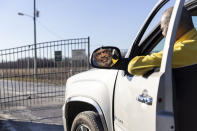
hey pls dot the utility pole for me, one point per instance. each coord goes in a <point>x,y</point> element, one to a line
<point>35,42</point>
<point>35,14</point>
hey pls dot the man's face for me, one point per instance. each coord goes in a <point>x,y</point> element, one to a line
<point>103,57</point>
<point>164,25</point>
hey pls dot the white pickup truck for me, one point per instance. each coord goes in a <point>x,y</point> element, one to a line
<point>109,98</point>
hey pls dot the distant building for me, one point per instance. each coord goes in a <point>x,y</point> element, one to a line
<point>79,57</point>
<point>79,54</point>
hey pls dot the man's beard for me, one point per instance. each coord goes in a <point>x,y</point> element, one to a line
<point>107,63</point>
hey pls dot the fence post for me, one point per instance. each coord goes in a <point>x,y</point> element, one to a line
<point>88,52</point>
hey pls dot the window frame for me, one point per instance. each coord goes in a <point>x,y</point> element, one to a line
<point>155,36</point>
<point>134,49</point>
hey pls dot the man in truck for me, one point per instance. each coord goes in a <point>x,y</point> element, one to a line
<point>185,47</point>
<point>103,57</point>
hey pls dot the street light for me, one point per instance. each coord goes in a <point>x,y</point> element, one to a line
<point>35,15</point>
<point>19,13</point>
<point>23,14</point>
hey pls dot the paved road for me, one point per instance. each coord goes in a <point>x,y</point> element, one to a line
<point>45,118</point>
<point>13,91</point>
<point>29,89</point>
<point>36,113</point>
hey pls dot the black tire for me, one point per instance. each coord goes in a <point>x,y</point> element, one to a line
<point>89,120</point>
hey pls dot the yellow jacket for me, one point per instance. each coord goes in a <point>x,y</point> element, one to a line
<point>185,53</point>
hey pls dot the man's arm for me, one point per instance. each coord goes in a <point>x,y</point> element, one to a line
<point>184,54</point>
<point>139,65</point>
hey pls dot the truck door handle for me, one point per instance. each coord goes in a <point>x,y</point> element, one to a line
<point>145,99</point>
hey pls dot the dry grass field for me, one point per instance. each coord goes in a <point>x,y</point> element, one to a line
<point>44,75</point>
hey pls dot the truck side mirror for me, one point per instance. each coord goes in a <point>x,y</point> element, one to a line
<point>105,57</point>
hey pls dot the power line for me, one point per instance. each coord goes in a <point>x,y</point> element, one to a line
<point>50,31</point>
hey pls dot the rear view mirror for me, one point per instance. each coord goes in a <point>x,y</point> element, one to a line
<point>105,57</point>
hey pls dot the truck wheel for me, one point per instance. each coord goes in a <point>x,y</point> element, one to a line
<point>87,121</point>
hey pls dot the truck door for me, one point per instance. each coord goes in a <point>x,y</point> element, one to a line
<point>145,102</point>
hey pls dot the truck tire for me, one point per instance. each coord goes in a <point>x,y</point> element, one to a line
<point>87,121</point>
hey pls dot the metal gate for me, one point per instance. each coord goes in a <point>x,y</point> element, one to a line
<point>56,61</point>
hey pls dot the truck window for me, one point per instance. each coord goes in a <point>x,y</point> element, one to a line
<point>156,19</point>
<point>194,18</point>
<point>146,40</point>
<point>158,47</point>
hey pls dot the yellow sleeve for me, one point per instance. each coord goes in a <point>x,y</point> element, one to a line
<point>184,53</point>
<point>139,65</point>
